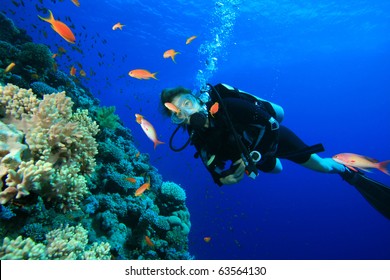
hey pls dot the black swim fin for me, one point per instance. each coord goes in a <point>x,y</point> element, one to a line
<point>376,193</point>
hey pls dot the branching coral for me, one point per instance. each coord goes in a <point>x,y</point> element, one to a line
<point>69,243</point>
<point>61,147</point>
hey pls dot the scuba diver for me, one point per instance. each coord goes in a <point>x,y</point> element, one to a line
<point>236,133</point>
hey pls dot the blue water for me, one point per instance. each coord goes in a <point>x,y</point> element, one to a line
<point>326,62</point>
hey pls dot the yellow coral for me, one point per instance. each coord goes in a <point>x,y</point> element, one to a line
<point>69,243</point>
<point>57,139</point>
<point>17,102</point>
<point>22,249</point>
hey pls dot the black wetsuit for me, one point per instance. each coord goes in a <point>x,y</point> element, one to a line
<point>216,145</point>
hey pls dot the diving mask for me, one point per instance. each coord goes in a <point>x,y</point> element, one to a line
<point>183,107</point>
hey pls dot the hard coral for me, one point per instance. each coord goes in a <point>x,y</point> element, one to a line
<point>38,56</point>
<point>61,147</point>
<point>69,243</point>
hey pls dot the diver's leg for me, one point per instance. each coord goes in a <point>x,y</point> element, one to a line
<point>278,167</point>
<point>325,165</point>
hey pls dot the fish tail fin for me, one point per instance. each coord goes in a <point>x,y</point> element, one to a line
<point>50,19</point>
<point>157,142</point>
<point>384,166</point>
<point>154,75</point>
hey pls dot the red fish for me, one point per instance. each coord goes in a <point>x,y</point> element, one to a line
<point>76,2</point>
<point>172,107</point>
<point>170,53</point>
<point>61,28</point>
<point>149,241</point>
<point>131,180</point>
<point>207,239</point>
<point>189,40</point>
<point>117,26</point>
<point>214,109</point>
<point>149,130</point>
<point>142,189</point>
<point>72,71</point>
<point>362,162</point>
<point>142,74</point>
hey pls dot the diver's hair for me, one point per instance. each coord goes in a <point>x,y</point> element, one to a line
<point>168,94</point>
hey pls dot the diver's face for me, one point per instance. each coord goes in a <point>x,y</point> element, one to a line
<point>187,105</point>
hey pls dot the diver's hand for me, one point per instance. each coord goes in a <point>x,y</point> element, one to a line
<point>237,175</point>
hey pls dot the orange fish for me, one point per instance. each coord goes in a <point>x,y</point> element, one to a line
<point>362,162</point>
<point>142,189</point>
<point>82,73</point>
<point>72,71</point>
<point>131,180</point>
<point>172,107</point>
<point>214,109</point>
<point>137,155</point>
<point>9,67</point>
<point>55,67</point>
<point>207,239</point>
<point>189,40</point>
<point>148,129</point>
<point>54,55</point>
<point>149,241</point>
<point>61,50</point>
<point>142,74</point>
<point>170,53</point>
<point>117,25</point>
<point>61,28</point>
<point>76,2</point>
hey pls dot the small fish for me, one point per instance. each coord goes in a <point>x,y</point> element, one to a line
<point>61,50</point>
<point>172,107</point>
<point>131,180</point>
<point>142,189</point>
<point>61,28</point>
<point>214,109</point>
<point>117,25</point>
<point>170,53</point>
<point>207,239</point>
<point>34,76</point>
<point>149,241</point>
<point>9,67</point>
<point>362,162</point>
<point>76,2</point>
<point>149,130</point>
<point>82,73</point>
<point>142,74</point>
<point>137,155</point>
<point>72,71</point>
<point>189,40</point>
<point>54,55</point>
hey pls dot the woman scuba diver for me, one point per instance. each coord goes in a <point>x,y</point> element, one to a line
<point>227,125</point>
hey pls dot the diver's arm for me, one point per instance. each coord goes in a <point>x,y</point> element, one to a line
<point>222,177</point>
<point>237,175</point>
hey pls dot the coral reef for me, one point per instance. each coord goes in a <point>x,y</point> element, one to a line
<point>65,189</point>
<point>107,118</point>
<point>61,147</point>
<point>69,243</point>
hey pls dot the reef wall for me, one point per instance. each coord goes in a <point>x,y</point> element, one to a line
<point>69,170</point>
